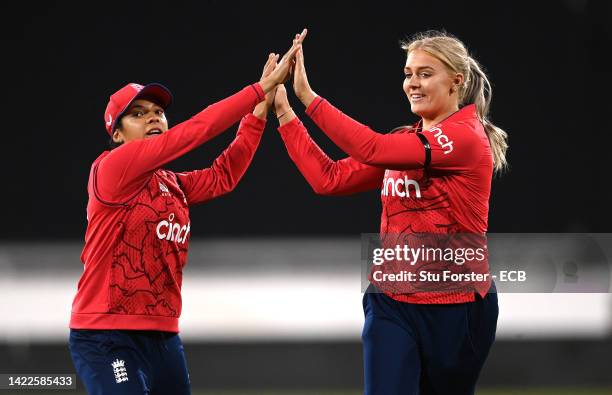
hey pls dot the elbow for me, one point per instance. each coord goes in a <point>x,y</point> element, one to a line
<point>317,187</point>
<point>366,160</point>
<point>229,187</point>
<point>225,186</point>
<point>320,190</point>
<point>327,182</point>
<point>323,189</point>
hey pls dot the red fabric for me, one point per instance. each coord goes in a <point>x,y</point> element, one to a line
<point>451,196</point>
<point>138,218</point>
<point>327,177</point>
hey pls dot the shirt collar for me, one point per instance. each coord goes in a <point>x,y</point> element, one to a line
<point>466,112</point>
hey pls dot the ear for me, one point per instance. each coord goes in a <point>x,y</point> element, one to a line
<point>458,81</point>
<point>118,136</point>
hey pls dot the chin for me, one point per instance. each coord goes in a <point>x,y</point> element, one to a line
<point>417,109</point>
<point>426,111</point>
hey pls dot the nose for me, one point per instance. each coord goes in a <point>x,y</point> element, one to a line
<point>414,82</point>
<point>153,119</point>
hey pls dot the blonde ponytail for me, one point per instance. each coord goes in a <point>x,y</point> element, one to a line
<point>478,91</point>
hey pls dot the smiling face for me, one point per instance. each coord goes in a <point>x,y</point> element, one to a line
<point>432,88</point>
<point>142,120</point>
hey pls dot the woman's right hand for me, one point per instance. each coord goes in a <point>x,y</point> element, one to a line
<point>261,109</point>
<point>301,87</point>
<point>283,68</point>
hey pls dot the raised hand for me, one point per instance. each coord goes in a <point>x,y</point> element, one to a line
<point>282,108</point>
<point>268,69</point>
<point>284,66</point>
<point>301,87</point>
<point>262,108</point>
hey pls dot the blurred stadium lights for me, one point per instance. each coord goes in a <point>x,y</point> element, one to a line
<point>264,290</point>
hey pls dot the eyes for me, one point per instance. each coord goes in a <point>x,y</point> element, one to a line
<point>141,113</point>
<point>422,74</point>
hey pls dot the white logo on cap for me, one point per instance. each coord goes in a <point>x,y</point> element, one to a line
<point>110,120</point>
<point>138,87</point>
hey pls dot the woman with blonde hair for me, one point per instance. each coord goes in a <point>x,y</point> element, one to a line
<point>435,178</point>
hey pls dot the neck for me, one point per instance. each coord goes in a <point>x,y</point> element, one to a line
<point>429,122</point>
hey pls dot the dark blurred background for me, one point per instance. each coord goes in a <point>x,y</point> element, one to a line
<point>62,60</point>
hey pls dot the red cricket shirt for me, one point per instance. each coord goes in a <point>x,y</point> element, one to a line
<point>138,217</point>
<point>450,196</point>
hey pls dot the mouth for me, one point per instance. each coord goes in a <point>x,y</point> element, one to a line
<point>153,132</point>
<point>416,97</point>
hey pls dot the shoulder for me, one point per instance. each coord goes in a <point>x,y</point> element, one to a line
<point>93,170</point>
<point>463,124</point>
<point>406,128</point>
<point>99,158</point>
<point>462,133</point>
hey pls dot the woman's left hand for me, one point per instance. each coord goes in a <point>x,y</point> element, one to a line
<point>261,110</point>
<point>268,69</point>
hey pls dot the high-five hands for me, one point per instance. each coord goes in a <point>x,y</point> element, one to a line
<point>261,110</point>
<point>276,73</point>
<point>283,68</point>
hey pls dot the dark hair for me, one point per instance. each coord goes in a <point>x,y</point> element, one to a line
<point>112,143</point>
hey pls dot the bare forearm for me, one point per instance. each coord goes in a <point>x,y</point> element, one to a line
<point>261,111</point>
<point>307,98</point>
<point>285,116</point>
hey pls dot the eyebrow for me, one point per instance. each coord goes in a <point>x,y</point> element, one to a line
<point>139,106</point>
<point>420,68</point>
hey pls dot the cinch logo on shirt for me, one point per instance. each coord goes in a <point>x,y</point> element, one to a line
<point>399,187</point>
<point>443,139</point>
<point>172,231</point>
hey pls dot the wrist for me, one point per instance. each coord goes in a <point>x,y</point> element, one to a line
<point>267,84</point>
<point>282,109</point>
<point>307,97</point>
<point>281,114</point>
<point>286,117</point>
<point>261,110</point>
